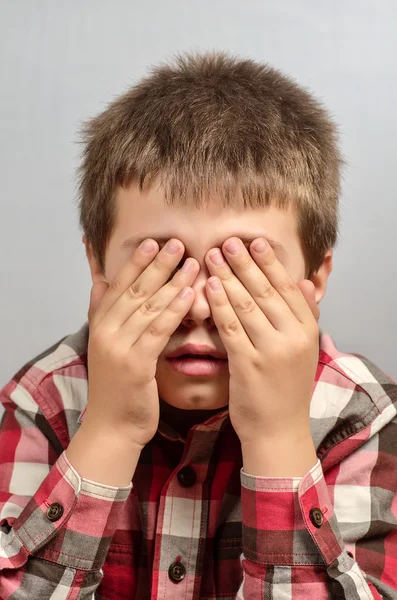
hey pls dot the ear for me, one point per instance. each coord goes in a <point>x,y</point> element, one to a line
<point>320,278</point>
<point>96,273</point>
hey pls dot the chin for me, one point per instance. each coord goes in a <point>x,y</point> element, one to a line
<point>194,402</point>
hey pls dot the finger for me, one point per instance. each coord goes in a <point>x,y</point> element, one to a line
<point>140,315</point>
<point>97,275</point>
<point>309,292</point>
<point>230,328</point>
<point>246,282</point>
<point>96,272</point>
<point>98,291</point>
<point>282,282</point>
<point>141,277</point>
<point>130,271</point>
<point>154,339</point>
<point>254,321</point>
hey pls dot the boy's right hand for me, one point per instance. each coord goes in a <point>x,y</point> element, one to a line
<point>130,323</point>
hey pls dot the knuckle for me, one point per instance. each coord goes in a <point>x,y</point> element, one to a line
<point>231,327</point>
<point>160,265</point>
<point>155,330</point>
<point>228,275</point>
<point>122,359</point>
<point>149,307</point>
<point>115,284</point>
<point>266,291</point>
<point>282,356</point>
<point>135,291</point>
<point>257,363</point>
<point>302,344</point>
<point>246,264</point>
<point>246,306</point>
<point>99,339</point>
<point>289,285</point>
<point>174,282</point>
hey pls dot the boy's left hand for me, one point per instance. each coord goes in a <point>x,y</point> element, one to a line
<point>268,325</point>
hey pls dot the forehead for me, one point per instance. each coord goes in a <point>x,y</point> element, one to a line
<point>146,214</point>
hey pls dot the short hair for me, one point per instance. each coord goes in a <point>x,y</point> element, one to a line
<point>207,122</point>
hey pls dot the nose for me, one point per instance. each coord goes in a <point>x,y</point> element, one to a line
<point>200,310</point>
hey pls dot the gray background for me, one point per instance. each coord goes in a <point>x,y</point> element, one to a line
<point>62,62</point>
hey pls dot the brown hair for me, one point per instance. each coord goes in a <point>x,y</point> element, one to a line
<point>210,122</point>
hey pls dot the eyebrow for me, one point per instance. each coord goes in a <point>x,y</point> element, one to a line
<point>135,240</point>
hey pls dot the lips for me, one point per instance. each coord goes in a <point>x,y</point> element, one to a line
<point>197,351</point>
<point>199,356</point>
<point>198,365</point>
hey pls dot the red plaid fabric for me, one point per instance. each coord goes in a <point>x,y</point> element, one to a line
<point>217,532</point>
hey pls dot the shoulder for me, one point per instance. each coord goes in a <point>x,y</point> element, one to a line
<point>353,399</point>
<point>349,369</point>
<point>52,384</point>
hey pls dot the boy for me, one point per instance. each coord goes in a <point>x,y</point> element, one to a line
<point>195,440</point>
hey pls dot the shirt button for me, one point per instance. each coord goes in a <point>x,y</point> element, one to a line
<point>54,511</point>
<point>316,517</point>
<point>177,571</point>
<point>186,476</point>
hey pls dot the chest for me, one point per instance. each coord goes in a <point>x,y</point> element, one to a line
<point>180,534</point>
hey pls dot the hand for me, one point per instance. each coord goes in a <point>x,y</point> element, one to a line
<point>130,323</point>
<point>268,325</point>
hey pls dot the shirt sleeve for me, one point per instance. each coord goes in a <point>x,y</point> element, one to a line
<point>55,526</point>
<point>292,541</point>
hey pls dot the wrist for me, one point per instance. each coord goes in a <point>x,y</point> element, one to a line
<point>97,453</point>
<point>97,428</point>
<point>282,456</point>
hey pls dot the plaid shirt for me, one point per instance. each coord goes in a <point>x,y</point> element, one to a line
<point>192,524</point>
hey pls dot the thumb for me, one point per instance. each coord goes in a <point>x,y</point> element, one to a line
<point>308,290</point>
<point>98,291</point>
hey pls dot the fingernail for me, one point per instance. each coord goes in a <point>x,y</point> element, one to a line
<point>233,246</point>
<point>215,284</point>
<point>261,246</point>
<point>217,258</point>
<point>172,247</point>
<point>147,246</point>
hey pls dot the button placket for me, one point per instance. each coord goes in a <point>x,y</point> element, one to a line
<point>186,476</point>
<point>177,571</point>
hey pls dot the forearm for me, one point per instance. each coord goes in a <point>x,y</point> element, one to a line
<point>103,455</point>
<point>291,456</point>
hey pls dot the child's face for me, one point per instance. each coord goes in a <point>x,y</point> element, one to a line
<point>145,214</point>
